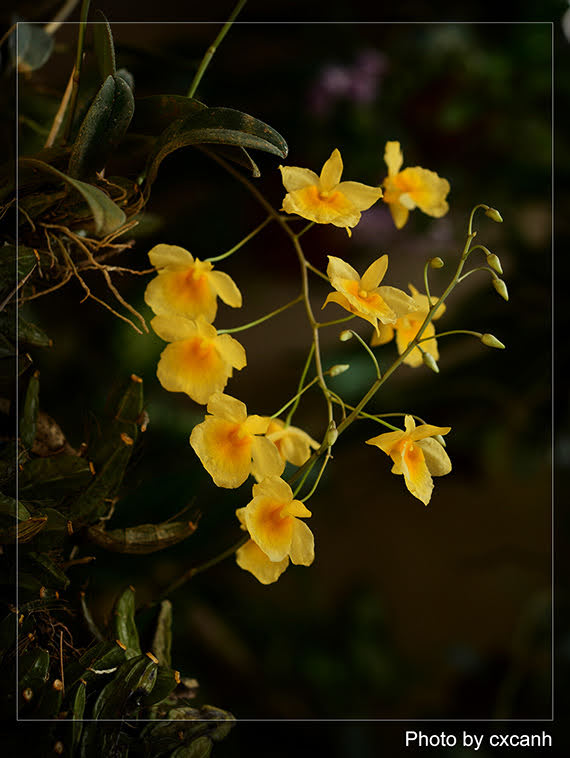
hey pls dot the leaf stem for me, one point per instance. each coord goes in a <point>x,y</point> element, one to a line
<point>300,386</point>
<point>260,320</point>
<point>240,244</point>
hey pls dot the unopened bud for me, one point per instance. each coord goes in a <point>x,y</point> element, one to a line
<point>57,685</point>
<point>436,262</point>
<point>27,694</point>
<point>491,341</point>
<point>345,335</point>
<point>501,288</point>
<point>340,368</point>
<point>331,435</point>
<point>429,361</point>
<point>494,214</point>
<point>440,439</point>
<point>495,263</point>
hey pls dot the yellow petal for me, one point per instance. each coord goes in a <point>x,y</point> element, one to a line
<point>384,334</point>
<point>231,351</point>
<point>302,550</point>
<point>195,367</point>
<point>266,458</point>
<point>437,460</point>
<point>397,300</point>
<point>173,328</point>
<point>295,178</point>
<point>426,189</point>
<point>227,407</point>
<point>256,424</point>
<point>310,204</point>
<point>362,196</point>
<point>367,305</point>
<point>331,172</point>
<point>339,269</point>
<point>273,487</point>
<point>294,444</point>
<point>416,474</point>
<point>186,292</point>
<point>399,214</point>
<point>428,430</point>
<point>223,450</point>
<point>406,329</point>
<point>393,157</point>
<point>386,441</point>
<point>170,255</point>
<point>269,527</point>
<point>251,558</point>
<point>374,273</point>
<point>225,287</point>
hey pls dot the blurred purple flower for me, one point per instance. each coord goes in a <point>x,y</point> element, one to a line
<point>357,83</point>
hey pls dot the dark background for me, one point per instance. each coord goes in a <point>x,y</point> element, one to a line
<point>408,612</point>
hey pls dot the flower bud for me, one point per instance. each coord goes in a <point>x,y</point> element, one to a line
<point>494,214</point>
<point>345,335</point>
<point>440,439</point>
<point>501,288</point>
<point>429,361</point>
<point>331,435</point>
<point>495,263</point>
<point>340,368</point>
<point>491,341</point>
<point>436,262</point>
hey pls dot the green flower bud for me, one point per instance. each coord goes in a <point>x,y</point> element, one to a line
<point>491,341</point>
<point>440,439</point>
<point>345,335</point>
<point>340,368</point>
<point>501,288</point>
<point>331,435</point>
<point>429,361</point>
<point>494,214</point>
<point>495,263</point>
<point>436,262</point>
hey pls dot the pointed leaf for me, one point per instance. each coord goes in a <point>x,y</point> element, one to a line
<point>29,416</point>
<point>50,574</point>
<point>53,477</point>
<point>162,641</point>
<point>107,216</point>
<point>95,500</point>
<point>166,681</point>
<point>123,624</point>
<point>77,705</point>
<point>142,539</point>
<point>103,127</point>
<point>104,47</point>
<point>156,113</point>
<point>102,657</point>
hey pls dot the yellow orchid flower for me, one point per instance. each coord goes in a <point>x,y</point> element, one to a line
<point>411,188</point>
<point>232,445</point>
<point>363,296</point>
<point>186,286</point>
<point>325,199</point>
<point>294,444</point>
<point>416,455</point>
<point>406,328</point>
<point>199,361</point>
<point>272,519</point>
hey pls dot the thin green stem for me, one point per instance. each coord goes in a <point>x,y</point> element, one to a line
<point>294,399</point>
<point>213,47</point>
<point>316,271</point>
<point>336,321</point>
<point>240,244</point>
<point>306,473</point>
<point>77,70</point>
<point>471,217</point>
<point>453,331</point>
<point>260,320</point>
<point>328,456</point>
<point>479,268</point>
<point>426,282</point>
<point>305,229</point>
<point>301,383</point>
<point>369,351</point>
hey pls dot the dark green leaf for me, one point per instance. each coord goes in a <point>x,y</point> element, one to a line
<point>8,507</point>
<point>104,47</point>
<point>12,272</point>
<point>218,126</point>
<point>198,748</point>
<point>29,416</point>
<point>49,700</point>
<point>95,500</point>
<point>30,334</point>
<point>35,46</point>
<point>53,477</point>
<point>156,113</point>
<point>33,670</point>
<point>103,127</point>
<point>123,623</point>
<point>125,417</point>
<point>55,531</point>
<point>142,539</point>
<point>166,681</point>
<point>77,704</point>
<point>107,216</point>
<point>102,657</point>
<point>51,575</point>
<point>162,640</point>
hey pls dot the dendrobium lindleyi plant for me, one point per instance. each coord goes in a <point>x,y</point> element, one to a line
<point>416,455</point>
<point>362,296</point>
<point>294,444</point>
<point>406,327</point>
<point>325,199</point>
<point>412,188</point>
<point>186,286</point>
<point>273,520</point>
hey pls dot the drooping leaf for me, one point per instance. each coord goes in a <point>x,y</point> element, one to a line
<point>29,417</point>
<point>43,478</point>
<point>142,539</point>
<point>156,113</point>
<point>218,126</point>
<point>104,46</point>
<point>107,216</point>
<point>103,127</point>
<point>162,640</point>
<point>34,46</point>
<point>123,623</point>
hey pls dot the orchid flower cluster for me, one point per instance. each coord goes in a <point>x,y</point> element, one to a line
<point>199,360</point>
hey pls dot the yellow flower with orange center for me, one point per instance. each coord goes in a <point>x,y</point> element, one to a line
<point>294,444</point>
<point>198,361</point>
<point>406,328</point>
<point>273,520</point>
<point>232,445</point>
<point>362,296</point>
<point>186,286</point>
<point>411,188</point>
<point>416,455</point>
<point>325,199</point>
